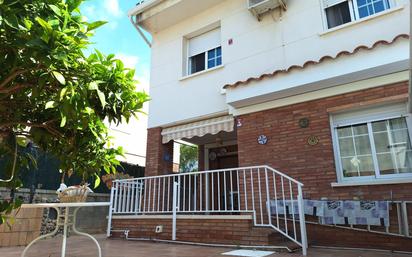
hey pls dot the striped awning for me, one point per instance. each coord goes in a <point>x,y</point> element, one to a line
<point>198,128</point>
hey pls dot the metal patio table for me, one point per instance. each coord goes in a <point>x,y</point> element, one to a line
<point>64,220</point>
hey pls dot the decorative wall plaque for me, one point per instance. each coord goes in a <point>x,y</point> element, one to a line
<point>304,123</point>
<point>262,140</point>
<point>313,140</point>
<point>212,156</point>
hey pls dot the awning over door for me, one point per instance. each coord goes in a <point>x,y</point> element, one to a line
<point>198,128</point>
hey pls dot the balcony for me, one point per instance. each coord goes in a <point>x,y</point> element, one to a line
<point>156,15</point>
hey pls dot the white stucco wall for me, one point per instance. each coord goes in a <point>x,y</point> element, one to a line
<point>276,42</point>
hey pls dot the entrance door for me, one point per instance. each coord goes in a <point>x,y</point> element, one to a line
<point>225,157</point>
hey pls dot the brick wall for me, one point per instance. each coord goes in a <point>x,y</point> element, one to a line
<point>219,231</point>
<point>159,157</point>
<point>25,228</point>
<point>242,232</point>
<point>287,149</point>
<point>339,237</point>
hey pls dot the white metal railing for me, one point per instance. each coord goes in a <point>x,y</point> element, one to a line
<point>228,191</point>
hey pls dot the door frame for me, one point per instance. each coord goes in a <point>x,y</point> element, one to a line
<point>214,145</point>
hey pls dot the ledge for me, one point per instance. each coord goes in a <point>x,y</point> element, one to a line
<point>352,23</point>
<point>373,182</point>
<point>201,72</point>
<point>190,217</point>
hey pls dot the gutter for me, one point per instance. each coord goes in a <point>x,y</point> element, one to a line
<point>142,7</point>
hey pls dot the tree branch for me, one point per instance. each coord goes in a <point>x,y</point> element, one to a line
<point>11,90</point>
<point>13,75</point>
<point>44,125</point>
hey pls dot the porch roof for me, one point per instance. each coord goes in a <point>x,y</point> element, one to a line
<point>198,128</point>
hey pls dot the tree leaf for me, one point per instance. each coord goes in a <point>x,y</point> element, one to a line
<point>73,4</point>
<point>63,121</point>
<point>95,25</point>
<point>93,86</point>
<point>96,181</point>
<point>44,24</point>
<point>59,77</point>
<point>102,97</point>
<point>55,9</point>
<point>50,105</point>
<point>12,21</point>
<point>63,92</point>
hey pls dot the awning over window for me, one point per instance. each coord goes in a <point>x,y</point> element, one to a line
<point>198,128</point>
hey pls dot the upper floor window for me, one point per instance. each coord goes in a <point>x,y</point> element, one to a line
<point>339,12</point>
<point>373,145</point>
<point>204,51</point>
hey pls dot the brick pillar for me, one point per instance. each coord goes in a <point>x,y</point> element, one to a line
<point>159,157</point>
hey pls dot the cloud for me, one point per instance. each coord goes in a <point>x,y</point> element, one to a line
<point>129,61</point>
<point>112,8</point>
<point>105,10</point>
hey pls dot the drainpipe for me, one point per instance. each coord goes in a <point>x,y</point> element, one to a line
<point>136,25</point>
<point>410,63</point>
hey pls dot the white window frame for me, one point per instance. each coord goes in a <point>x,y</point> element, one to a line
<point>354,12</point>
<point>355,121</point>
<point>189,65</point>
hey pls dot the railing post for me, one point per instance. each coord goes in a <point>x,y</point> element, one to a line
<point>109,219</point>
<point>405,223</point>
<point>174,208</point>
<point>302,221</point>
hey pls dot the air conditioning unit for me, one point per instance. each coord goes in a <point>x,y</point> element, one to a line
<point>260,7</point>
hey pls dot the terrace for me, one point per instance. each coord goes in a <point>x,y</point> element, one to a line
<point>121,248</point>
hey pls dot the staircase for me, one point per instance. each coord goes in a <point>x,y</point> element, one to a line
<point>258,191</point>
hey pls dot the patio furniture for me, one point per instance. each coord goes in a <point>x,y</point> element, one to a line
<point>64,220</point>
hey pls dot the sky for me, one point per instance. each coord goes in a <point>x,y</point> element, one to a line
<point>119,37</point>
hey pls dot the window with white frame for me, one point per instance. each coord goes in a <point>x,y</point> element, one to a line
<point>338,12</point>
<point>204,51</point>
<point>373,144</point>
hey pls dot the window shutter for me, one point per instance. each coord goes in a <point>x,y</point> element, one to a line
<point>369,114</point>
<point>204,42</point>
<point>329,3</point>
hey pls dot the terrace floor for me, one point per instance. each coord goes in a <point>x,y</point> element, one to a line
<point>83,247</point>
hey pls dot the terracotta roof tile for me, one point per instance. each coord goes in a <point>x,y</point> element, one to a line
<point>312,62</point>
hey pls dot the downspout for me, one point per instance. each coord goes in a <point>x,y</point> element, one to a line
<point>136,25</point>
<point>410,62</point>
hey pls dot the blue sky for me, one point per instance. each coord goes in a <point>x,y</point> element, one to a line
<point>119,36</point>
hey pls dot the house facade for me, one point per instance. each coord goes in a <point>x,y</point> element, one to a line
<point>314,89</point>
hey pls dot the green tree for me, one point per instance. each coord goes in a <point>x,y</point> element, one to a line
<point>188,158</point>
<point>55,96</point>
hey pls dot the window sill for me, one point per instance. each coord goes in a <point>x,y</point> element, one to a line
<point>349,24</point>
<point>201,72</point>
<point>372,182</point>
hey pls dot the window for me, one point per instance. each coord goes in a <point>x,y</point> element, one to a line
<point>198,62</point>
<point>214,57</point>
<point>204,51</point>
<point>378,148</point>
<point>339,12</point>
<point>369,7</point>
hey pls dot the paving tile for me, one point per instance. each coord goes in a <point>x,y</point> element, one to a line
<point>83,247</point>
